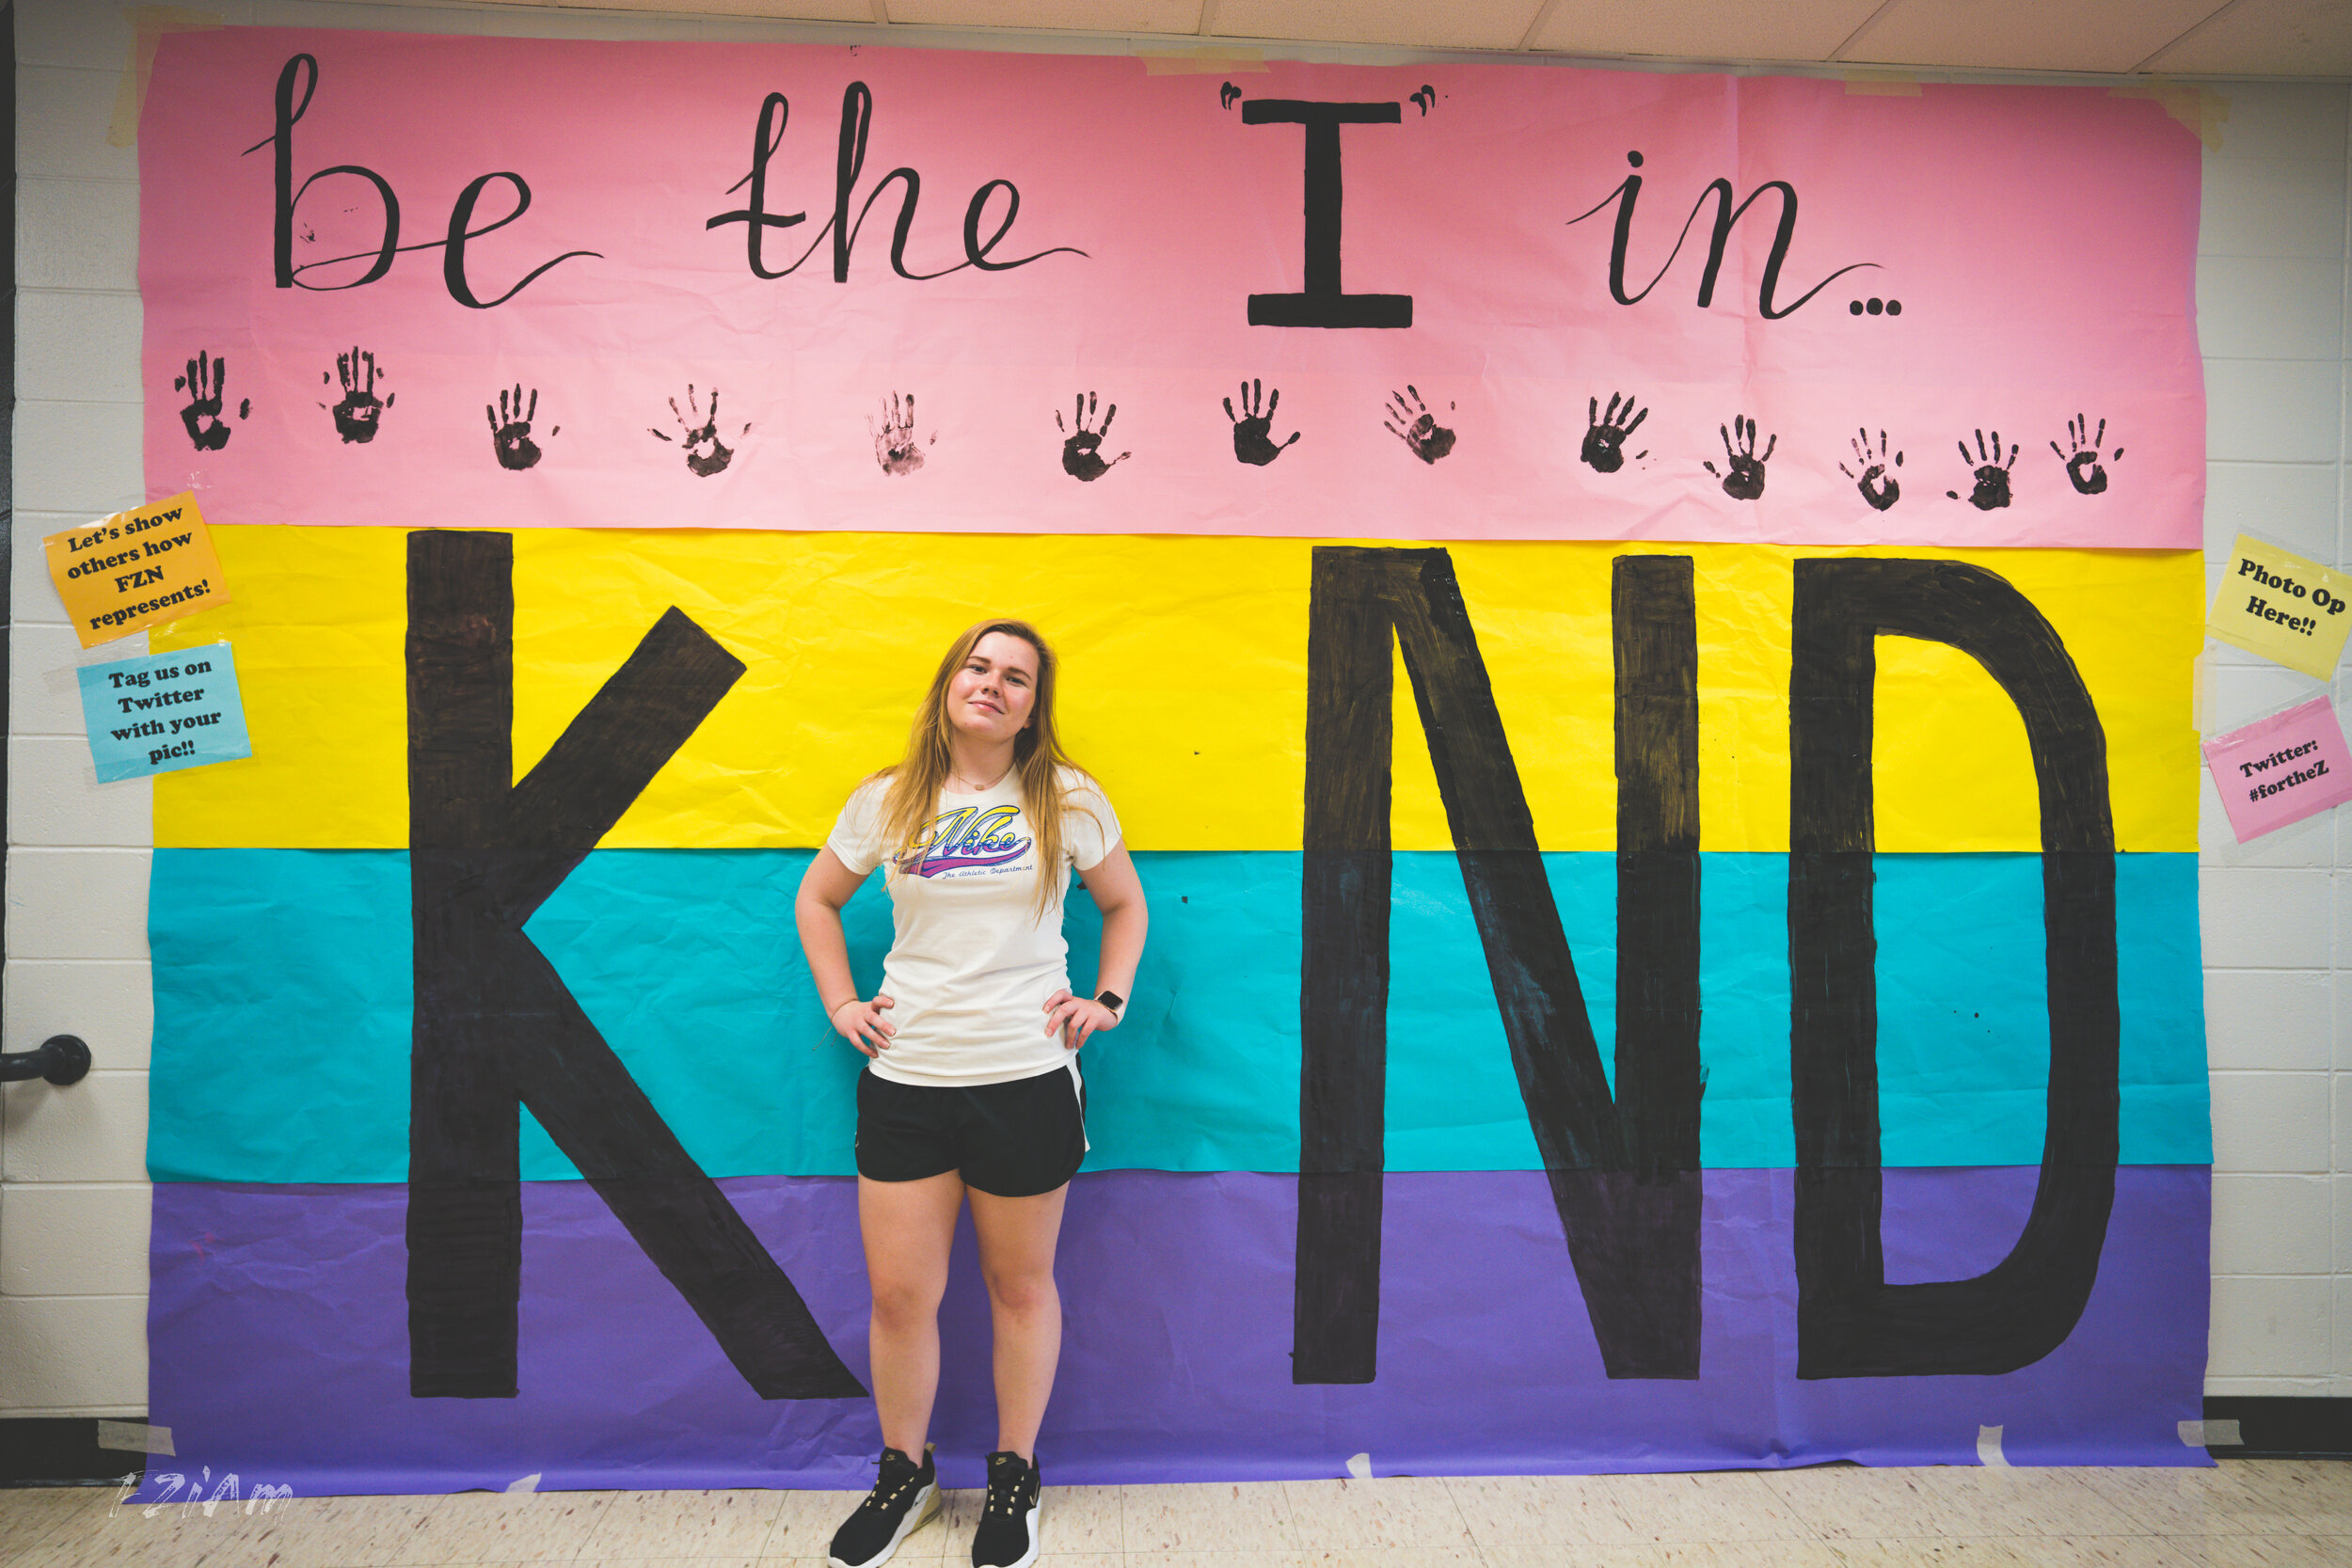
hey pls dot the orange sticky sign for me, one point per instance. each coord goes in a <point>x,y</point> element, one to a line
<point>136,569</point>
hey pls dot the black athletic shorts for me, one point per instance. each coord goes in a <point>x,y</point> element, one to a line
<point>1010,1140</point>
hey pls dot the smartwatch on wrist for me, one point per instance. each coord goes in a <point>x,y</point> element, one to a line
<point>1116,1003</point>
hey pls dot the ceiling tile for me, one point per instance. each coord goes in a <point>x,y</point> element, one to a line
<point>1415,24</point>
<point>1080,16</point>
<point>2266,37</point>
<point>2026,35</point>
<point>1703,29</point>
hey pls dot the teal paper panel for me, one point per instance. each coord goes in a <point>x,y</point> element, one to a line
<point>282,985</point>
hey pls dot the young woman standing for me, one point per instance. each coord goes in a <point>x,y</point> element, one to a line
<point>972,1088</point>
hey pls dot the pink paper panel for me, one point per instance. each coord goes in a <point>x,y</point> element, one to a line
<point>2030,252</point>
<point>2281,769</point>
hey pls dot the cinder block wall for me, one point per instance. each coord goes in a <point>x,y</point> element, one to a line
<point>2278,916</point>
<point>2278,913</point>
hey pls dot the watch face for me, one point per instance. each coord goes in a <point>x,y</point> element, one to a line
<point>1112,1000</point>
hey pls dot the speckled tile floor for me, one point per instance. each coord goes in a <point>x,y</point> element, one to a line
<point>2247,1513</point>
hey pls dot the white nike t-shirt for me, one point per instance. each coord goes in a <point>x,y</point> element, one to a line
<point>972,961</point>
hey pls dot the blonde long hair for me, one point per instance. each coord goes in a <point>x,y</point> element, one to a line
<point>912,801</point>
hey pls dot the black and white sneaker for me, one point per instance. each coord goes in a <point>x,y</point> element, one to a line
<point>1007,1534</point>
<point>905,1495</point>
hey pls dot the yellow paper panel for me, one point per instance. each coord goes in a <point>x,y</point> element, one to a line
<point>1948,760</point>
<point>1185,683</point>
<point>318,622</point>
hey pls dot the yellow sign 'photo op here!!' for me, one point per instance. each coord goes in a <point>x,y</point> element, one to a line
<point>2282,607</point>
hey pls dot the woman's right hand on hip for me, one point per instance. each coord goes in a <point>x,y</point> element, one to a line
<point>863,1025</point>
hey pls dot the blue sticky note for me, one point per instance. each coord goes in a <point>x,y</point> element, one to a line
<point>165,711</point>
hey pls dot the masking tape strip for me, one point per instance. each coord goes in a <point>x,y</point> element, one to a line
<point>149,23</point>
<point>135,1438</point>
<point>2202,109</point>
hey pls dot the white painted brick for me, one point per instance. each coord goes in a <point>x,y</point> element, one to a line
<point>44,697</point>
<point>72,1352</point>
<point>531,22</point>
<point>110,1007</point>
<point>2343,1061</point>
<point>2310,843</point>
<point>2272,207</point>
<point>2339,1383</point>
<point>2267,1123</point>
<point>2271,308</point>
<point>2343,1225</point>
<point>2271,1225</point>
<point>78,346</point>
<point>2264,919</point>
<point>77,234</point>
<point>2282,1388</point>
<point>2272,411</point>
<point>2295,503</point>
<point>2271,1328</point>
<point>55,801</point>
<point>754,30</point>
<point>2240,693</point>
<point>32,596</point>
<point>2343,1118</point>
<point>59,1240</point>
<point>2342,900</point>
<point>93,1131</point>
<point>77,903</point>
<point>81,458</point>
<point>391,19</point>
<point>2284,120</point>
<point>62,116</point>
<point>2270,1017</point>
<point>71,32</point>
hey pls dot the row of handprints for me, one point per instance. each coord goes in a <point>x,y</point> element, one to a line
<point>898,450</point>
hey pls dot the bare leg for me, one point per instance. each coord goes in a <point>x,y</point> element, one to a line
<point>907,1227</point>
<point>1017,1237</point>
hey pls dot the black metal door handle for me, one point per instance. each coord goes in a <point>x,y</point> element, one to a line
<point>61,1059</point>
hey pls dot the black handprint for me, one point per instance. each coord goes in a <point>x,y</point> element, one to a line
<point>1605,433</point>
<point>2082,464</point>
<point>357,417</point>
<point>1878,487</point>
<point>1412,424</point>
<point>1082,453</point>
<point>1743,477</point>
<point>206,384</point>
<point>895,447</point>
<point>510,429</point>
<point>1992,491</point>
<point>706,455</point>
<point>1253,430</point>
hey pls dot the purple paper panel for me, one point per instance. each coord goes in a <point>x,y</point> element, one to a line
<point>278,1328</point>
